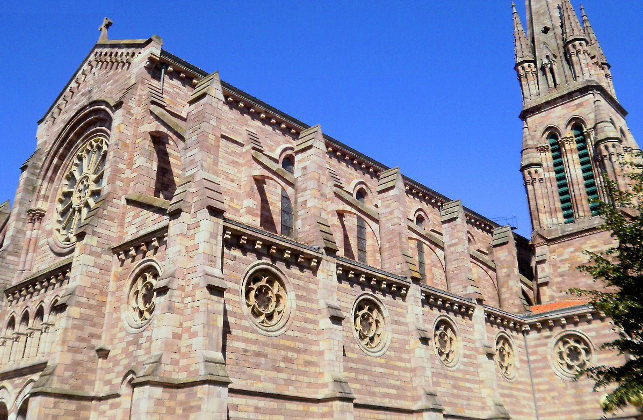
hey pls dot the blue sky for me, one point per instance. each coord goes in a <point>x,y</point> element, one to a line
<point>427,86</point>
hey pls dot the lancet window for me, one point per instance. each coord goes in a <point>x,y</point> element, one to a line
<point>361,230</point>
<point>286,214</point>
<point>419,221</point>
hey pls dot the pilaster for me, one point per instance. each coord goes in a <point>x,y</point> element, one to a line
<point>428,406</point>
<point>393,225</point>
<point>456,251</point>
<point>487,367</point>
<point>505,256</point>
<point>312,190</point>
<point>191,290</point>
<point>336,391</point>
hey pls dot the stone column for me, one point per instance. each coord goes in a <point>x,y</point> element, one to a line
<point>505,256</point>
<point>36,215</point>
<point>456,251</point>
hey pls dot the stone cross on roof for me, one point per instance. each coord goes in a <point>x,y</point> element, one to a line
<point>103,29</point>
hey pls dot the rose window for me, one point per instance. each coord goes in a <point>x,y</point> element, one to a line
<point>505,356</point>
<point>446,343</point>
<point>80,188</point>
<point>370,325</point>
<point>572,353</point>
<point>267,300</point>
<point>142,296</point>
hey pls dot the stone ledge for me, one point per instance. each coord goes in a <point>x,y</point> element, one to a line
<point>286,396</point>
<point>148,200</point>
<point>147,235</point>
<point>23,370</point>
<point>371,277</point>
<point>55,274</point>
<point>167,382</point>
<point>168,119</point>
<point>270,165</point>
<point>367,210</point>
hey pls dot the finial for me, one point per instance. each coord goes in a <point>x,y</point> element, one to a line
<point>107,22</point>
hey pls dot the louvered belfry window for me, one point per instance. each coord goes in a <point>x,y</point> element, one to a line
<point>561,179</point>
<point>286,214</point>
<point>586,169</point>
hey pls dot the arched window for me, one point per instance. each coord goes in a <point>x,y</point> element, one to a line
<point>419,222</point>
<point>586,169</point>
<point>24,323</point>
<point>11,326</point>
<point>9,331</point>
<point>561,179</point>
<point>38,319</point>
<point>361,229</point>
<point>4,413</point>
<point>288,163</point>
<point>23,410</point>
<point>286,214</point>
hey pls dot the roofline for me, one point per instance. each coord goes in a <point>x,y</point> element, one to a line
<point>118,43</point>
<point>302,125</point>
<point>252,99</point>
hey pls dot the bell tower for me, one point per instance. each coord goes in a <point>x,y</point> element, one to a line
<point>574,131</point>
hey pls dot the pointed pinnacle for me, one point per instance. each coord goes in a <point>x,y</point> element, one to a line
<point>591,36</point>
<point>571,25</point>
<point>522,48</point>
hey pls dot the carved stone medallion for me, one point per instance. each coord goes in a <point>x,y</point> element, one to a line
<point>572,352</point>
<point>446,343</point>
<point>266,300</point>
<point>142,297</point>
<point>505,359</point>
<point>369,323</point>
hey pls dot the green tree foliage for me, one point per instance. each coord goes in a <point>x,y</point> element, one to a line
<point>621,269</point>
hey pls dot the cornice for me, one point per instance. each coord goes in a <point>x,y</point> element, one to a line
<point>39,282</point>
<point>554,99</point>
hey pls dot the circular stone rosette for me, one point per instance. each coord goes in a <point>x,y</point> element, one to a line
<point>446,343</point>
<point>80,188</point>
<point>370,325</point>
<point>505,356</point>
<point>141,297</point>
<point>571,353</point>
<point>266,299</point>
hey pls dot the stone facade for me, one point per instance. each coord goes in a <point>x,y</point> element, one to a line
<point>179,249</point>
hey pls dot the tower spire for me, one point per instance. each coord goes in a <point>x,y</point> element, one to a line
<point>571,25</point>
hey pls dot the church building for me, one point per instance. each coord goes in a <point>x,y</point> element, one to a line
<point>179,249</point>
